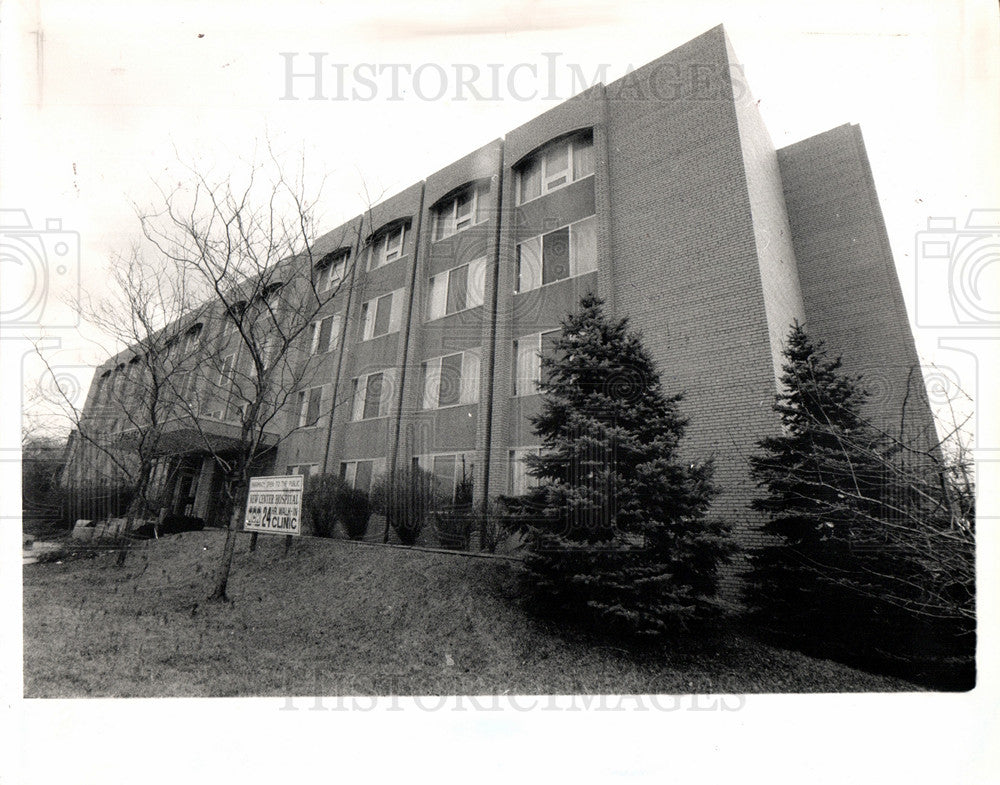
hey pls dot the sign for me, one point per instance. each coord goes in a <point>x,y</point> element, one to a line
<point>274,505</point>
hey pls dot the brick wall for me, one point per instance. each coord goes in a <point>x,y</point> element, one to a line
<point>849,284</point>
<point>707,239</point>
<point>687,268</point>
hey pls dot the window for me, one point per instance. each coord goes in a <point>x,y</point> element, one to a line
<point>451,380</point>
<point>448,470</point>
<point>325,334</point>
<point>461,211</point>
<point>563,253</point>
<point>359,474</point>
<point>382,315</point>
<point>519,480</point>
<point>557,165</point>
<point>528,351</point>
<point>211,409</point>
<point>269,294</point>
<point>103,388</point>
<point>268,349</point>
<point>387,247</point>
<point>308,407</point>
<point>236,311</point>
<point>331,271</point>
<point>456,289</point>
<point>372,394</point>
<point>226,372</point>
<point>305,469</point>
<point>189,388</point>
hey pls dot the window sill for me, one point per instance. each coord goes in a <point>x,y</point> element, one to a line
<point>553,283</point>
<point>386,264</point>
<point>463,229</point>
<point>449,406</point>
<point>453,313</point>
<point>376,337</point>
<point>552,191</point>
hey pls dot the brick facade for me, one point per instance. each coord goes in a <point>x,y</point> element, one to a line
<point>707,238</point>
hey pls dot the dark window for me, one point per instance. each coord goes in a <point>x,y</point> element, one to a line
<point>312,414</point>
<point>383,315</point>
<point>373,395</point>
<point>555,256</point>
<point>451,380</point>
<point>457,287</point>
<point>363,476</point>
<point>444,474</point>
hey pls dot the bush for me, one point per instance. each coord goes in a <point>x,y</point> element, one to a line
<point>327,499</point>
<point>456,522</point>
<point>454,527</point>
<point>498,530</point>
<point>319,503</point>
<point>406,497</point>
<point>353,511</point>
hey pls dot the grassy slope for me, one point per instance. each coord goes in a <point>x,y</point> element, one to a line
<point>335,618</point>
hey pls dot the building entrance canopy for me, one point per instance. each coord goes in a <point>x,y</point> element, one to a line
<point>180,437</point>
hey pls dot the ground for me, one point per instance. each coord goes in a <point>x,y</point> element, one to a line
<point>331,617</point>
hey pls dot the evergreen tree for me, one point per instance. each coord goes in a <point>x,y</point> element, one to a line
<point>825,496</point>
<point>619,540</point>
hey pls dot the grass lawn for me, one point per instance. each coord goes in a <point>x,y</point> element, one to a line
<point>337,618</point>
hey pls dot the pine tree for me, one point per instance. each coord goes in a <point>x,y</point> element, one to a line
<point>619,539</point>
<point>824,482</point>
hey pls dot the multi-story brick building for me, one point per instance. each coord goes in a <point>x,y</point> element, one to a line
<point>663,193</point>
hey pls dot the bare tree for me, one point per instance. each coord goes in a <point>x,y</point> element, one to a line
<point>871,518</point>
<point>119,436</point>
<point>925,516</point>
<point>246,243</point>
<point>43,455</point>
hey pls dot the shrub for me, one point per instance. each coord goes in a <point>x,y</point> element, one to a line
<point>497,530</point>
<point>455,522</point>
<point>353,511</point>
<point>328,499</point>
<point>319,503</point>
<point>454,528</point>
<point>406,497</point>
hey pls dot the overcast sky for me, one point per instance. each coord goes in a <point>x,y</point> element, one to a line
<point>97,97</point>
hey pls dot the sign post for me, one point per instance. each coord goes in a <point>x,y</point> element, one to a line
<point>274,506</point>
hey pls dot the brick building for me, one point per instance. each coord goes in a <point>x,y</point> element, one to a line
<point>663,193</point>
